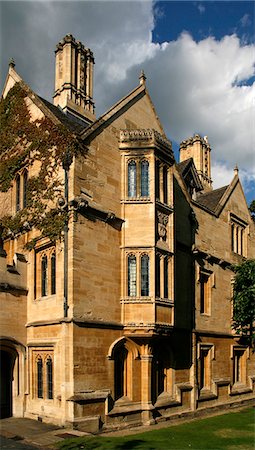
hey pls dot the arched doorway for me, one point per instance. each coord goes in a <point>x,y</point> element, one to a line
<point>6,376</point>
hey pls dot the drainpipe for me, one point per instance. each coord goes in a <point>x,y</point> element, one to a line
<point>67,161</point>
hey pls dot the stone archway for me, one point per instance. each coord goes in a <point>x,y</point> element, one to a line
<point>12,377</point>
<point>7,360</point>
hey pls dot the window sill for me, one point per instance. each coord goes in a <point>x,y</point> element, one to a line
<point>240,388</point>
<point>206,394</point>
<point>137,200</point>
<point>45,297</point>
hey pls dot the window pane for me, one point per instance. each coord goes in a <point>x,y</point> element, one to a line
<point>25,189</point>
<point>165,185</point>
<point>157,276</point>
<point>44,276</point>
<point>157,192</point>
<point>132,179</point>
<point>145,275</point>
<point>53,274</point>
<point>144,179</point>
<point>17,193</point>
<point>39,378</point>
<point>165,278</point>
<point>49,379</point>
<point>132,276</point>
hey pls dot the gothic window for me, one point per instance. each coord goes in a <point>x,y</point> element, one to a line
<point>132,179</point>
<point>44,276</point>
<point>157,180</point>
<point>42,373</point>
<point>49,375</point>
<point>165,185</point>
<point>144,168</point>
<point>131,276</point>
<point>162,372</point>
<point>166,294</point>
<point>25,189</point>
<point>157,280</point>
<point>18,193</point>
<point>53,273</point>
<point>145,260</point>
<point>237,235</point>
<point>39,378</point>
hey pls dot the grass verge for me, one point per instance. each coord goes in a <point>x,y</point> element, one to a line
<point>232,431</point>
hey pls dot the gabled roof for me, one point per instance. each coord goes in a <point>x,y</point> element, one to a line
<point>214,201</point>
<point>50,110</point>
<point>188,171</point>
<point>116,110</point>
<point>210,200</point>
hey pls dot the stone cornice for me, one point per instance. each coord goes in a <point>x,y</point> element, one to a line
<point>144,138</point>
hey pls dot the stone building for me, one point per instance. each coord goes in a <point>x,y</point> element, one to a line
<point>124,316</point>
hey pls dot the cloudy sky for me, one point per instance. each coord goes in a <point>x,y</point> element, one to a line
<point>198,56</point>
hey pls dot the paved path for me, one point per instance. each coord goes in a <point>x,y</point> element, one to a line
<point>19,432</point>
<point>8,444</point>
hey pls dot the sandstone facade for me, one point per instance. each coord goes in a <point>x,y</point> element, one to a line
<point>127,318</point>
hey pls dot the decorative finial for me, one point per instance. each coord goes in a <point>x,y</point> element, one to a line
<point>12,63</point>
<point>142,77</point>
<point>236,170</point>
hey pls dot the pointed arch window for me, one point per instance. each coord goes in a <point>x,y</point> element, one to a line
<point>132,179</point>
<point>166,293</point>
<point>53,273</point>
<point>144,178</point>
<point>157,281</point>
<point>145,263</point>
<point>49,375</point>
<point>25,189</point>
<point>131,276</point>
<point>17,193</point>
<point>120,373</point>
<point>44,275</point>
<point>39,378</point>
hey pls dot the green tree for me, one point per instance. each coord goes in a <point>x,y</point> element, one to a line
<point>252,210</point>
<point>244,300</point>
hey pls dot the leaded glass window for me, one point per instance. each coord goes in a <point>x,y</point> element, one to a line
<point>49,374</point>
<point>165,277</point>
<point>131,276</point>
<point>18,193</point>
<point>145,275</point>
<point>39,378</point>
<point>53,274</point>
<point>132,179</point>
<point>144,178</point>
<point>25,189</point>
<point>44,274</point>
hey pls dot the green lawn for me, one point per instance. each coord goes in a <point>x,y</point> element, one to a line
<point>232,431</point>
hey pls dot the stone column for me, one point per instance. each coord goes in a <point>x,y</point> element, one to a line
<point>146,372</point>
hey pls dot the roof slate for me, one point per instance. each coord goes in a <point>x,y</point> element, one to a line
<point>63,118</point>
<point>210,200</point>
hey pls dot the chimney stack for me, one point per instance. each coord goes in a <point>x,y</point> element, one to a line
<point>74,79</point>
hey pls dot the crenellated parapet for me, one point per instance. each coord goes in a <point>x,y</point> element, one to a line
<point>145,138</point>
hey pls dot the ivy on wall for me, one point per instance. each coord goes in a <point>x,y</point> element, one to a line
<point>23,143</point>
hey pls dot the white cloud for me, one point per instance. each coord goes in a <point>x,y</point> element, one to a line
<point>195,86</point>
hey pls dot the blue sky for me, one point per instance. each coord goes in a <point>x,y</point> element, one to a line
<point>198,57</point>
<point>204,19</point>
